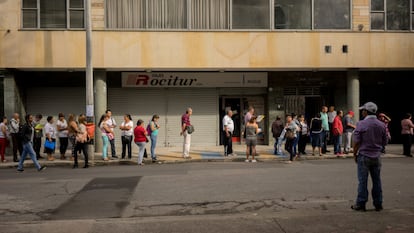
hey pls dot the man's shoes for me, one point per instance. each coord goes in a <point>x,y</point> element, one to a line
<point>378,208</point>
<point>41,169</point>
<point>410,155</point>
<point>154,160</point>
<point>20,170</point>
<point>358,208</point>
<point>114,157</point>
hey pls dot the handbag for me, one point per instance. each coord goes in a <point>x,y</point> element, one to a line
<point>289,134</point>
<point>190,129</point>
<point>50,145</point>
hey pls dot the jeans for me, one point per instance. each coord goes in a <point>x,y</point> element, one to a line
<point>105,141</point>
<point>337,139</point>
<point>186,144</point>
<point>141,146</point>
<point>289,148</point>
<point>28,149</point>
<point>347,144</point>
<point>324,136</point>
<point>227,143</point>
<point>37,143</point>
<point>366,166</point>
<point>126,144</point>
<point>295,144</point>
<point>112,142</point>
<point>153,145</point>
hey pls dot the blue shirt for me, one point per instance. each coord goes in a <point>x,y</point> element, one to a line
<point>371,136</point>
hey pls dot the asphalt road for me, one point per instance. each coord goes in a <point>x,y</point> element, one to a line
<point>306,196</point>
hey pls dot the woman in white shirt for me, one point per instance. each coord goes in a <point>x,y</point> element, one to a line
<point>126,135</point>
<point>50,133</point>
<point>62,133</point>
<point>3,138</point>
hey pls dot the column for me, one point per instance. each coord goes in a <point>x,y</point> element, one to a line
<point>12,97</point>
<point>100,102</point>
<point>353,92</point>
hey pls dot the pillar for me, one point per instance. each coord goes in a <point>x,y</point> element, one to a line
<point>12,99</point>
<point>100,102</point>
<point>353,92</point>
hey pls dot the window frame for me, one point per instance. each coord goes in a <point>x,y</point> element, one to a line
<point>384,12</point>
<point>38,18</point>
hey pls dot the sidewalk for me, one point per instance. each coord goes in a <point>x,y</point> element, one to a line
<point>168,155</point>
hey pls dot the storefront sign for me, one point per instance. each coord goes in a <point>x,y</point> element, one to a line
<point>135,79</point>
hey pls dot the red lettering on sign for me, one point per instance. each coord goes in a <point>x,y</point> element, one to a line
<point>143,79</point>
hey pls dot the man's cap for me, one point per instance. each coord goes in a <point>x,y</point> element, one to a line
<point>351,113</point>
<point>370,107</point>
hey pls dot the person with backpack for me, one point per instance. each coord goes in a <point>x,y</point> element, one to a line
<point>26,134</point>
<point>14,131</point>
<point>152,130</point>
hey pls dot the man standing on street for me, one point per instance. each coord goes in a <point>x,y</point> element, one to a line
<point>228,128</point>
<point>369,138</point>
<point>14,131</point>
<point>185,123</point>
<point>325,131</point>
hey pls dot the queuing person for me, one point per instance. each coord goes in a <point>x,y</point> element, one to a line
<point>316,134</point>
<point>349,127</point>
<point>106,135</point>
<point>185,123</point>
<point>153,133</point>
<point>127,131</point>
<point>252,129</point>
<point>27,142</point>
<point>298,132</point>
<point>407,134</point>
<point>50,135</point>
<point>62,133</point>
<point>277,128</point>
<point>369,138</point>
<point>228,128</point>
<point>72,133</point>
<point>303,135</point>
<point>82,142</point>
<point>337,131</point>
<point>16,141</point>
<point>37,140</point>
<point>325,132</point>
<point>291,128</point>
<point>111,123</point>
<point>3,138</point>
<point>386,119</point>
<point>331,116</point>
<point>140,139</point>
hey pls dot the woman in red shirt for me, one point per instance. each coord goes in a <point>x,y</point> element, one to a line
<point>140,138</point>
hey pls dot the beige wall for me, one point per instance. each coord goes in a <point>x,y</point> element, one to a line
<point>201,50</point>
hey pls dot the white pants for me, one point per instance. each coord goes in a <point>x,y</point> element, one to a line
<point>187,143</point>
<point>348,138</point>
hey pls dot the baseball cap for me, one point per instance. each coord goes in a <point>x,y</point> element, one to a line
<point>370,107</point>
<point>351,113</point>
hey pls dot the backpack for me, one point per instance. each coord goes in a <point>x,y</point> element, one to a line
<point>149,131</point>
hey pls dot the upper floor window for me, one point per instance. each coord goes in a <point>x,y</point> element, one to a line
<point>249,14</point>
<point>210,14</point>
<point>53,14</point>
<point>391,14</point>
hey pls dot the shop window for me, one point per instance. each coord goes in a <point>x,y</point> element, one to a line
<point>293,14</point>
<point>53,14</point>
<point>247,14</point>
<point>210,14</point>
<point>332,14</point>
<point>390,14</point>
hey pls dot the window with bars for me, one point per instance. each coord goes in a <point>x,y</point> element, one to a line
<point>55,14</point>
<point>391,14</point>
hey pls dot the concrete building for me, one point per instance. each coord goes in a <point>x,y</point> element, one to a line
<point>160,57</point>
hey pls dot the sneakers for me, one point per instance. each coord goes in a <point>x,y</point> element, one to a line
<point>42,168</point>
<point>20,170</point>
<point>358,208</point>
<point>254,161</point>
<point>247,161</point>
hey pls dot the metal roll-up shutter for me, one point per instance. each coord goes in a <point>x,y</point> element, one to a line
<point>52,100</point>
<point>141,104</point>
<point>204,103</point>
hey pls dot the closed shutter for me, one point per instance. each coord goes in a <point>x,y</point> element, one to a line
<point>52,100</point>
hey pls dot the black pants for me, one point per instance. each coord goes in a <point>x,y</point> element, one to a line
<point>112,142</point>
<point>407,141</point>
<point>84,148</point>
<point>17,145</point>
<point>126,144</point>
<point>289,147</point>
<point>303,139</point>
<point>63,145</point>
<point>227,143</point>
<point>37,143</point>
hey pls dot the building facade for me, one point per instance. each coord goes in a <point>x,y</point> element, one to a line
<point>162,56</point>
